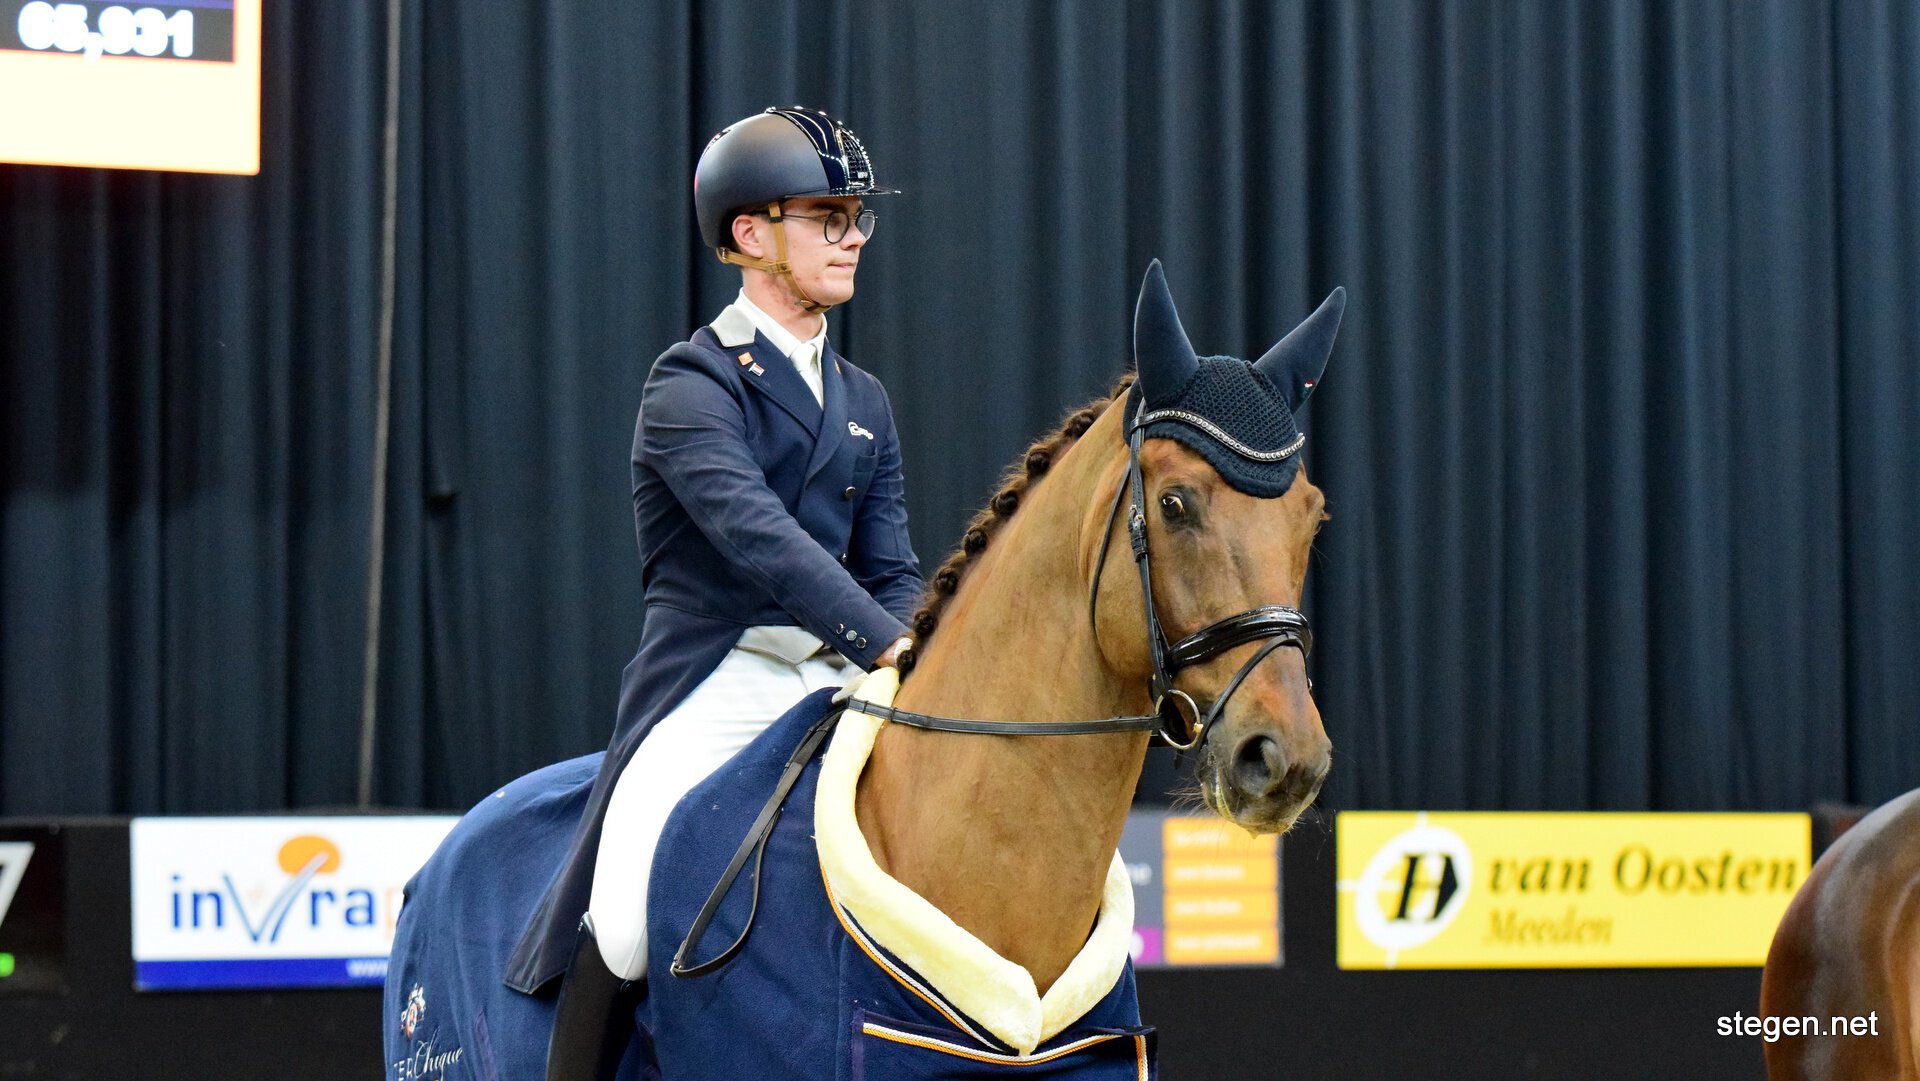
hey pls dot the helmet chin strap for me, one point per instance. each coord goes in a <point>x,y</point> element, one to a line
<point>779,264</point>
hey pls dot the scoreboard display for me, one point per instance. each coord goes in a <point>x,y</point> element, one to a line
<point>171,85</point>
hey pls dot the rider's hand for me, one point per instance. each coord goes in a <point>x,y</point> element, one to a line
<point>891,658</point>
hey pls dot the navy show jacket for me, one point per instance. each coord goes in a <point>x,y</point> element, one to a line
<point>754,505</point>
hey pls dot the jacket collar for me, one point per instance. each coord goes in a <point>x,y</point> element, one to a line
<point>775,377</point>
<point>733,328</point>
<point>783,339</point>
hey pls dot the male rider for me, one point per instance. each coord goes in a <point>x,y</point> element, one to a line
<point>772,524</point>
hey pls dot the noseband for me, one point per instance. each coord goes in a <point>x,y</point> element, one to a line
<point>1182,729</point>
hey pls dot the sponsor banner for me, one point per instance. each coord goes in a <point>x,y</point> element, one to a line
<point>1205,893</point>
<point>33,910</point>
<point>271,902</point>
<point>1564,890</point>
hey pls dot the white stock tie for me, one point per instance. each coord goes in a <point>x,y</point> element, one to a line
<point>808,361</point>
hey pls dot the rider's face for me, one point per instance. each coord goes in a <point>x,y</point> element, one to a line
<point>823,271</point>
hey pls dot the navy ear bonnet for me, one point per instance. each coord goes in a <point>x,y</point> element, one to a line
<point>1236,414</point>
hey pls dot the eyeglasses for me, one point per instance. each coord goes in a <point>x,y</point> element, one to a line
<point>834,225</point>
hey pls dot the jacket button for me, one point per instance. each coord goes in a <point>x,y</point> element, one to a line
<point>843,557</point>
<point>847,495</point>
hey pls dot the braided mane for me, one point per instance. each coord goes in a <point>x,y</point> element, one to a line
<point>1024,474</point>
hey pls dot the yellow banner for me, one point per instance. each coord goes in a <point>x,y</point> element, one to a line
<point>1564,890</point>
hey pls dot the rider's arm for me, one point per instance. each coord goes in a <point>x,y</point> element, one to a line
<point>693,433</point>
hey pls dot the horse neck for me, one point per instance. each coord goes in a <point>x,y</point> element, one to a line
<point>1012,837</point>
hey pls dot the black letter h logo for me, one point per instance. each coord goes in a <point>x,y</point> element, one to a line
<point>1442,890</point>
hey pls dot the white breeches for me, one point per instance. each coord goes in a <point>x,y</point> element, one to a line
<point>757,682</point>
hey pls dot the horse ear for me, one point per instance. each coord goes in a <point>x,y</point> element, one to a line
<point>1295,363</point>
<point>1161,351</point>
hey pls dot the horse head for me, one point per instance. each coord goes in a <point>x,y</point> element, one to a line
<point>1229,518</point>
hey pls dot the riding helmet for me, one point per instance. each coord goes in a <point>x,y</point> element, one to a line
<point>779,154</point>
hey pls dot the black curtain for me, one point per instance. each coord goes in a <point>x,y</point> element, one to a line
<point>1619,438</point>
<point>185,385</point>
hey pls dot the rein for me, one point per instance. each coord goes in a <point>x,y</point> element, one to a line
<point>1277,624</point>
<point>755,845</point>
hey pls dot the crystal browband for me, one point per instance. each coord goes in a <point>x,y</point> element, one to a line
<point>1219,433</point>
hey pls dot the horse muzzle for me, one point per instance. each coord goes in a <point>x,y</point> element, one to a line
<point>1257,784</point>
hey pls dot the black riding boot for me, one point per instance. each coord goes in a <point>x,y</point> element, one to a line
<point>593,1021</point>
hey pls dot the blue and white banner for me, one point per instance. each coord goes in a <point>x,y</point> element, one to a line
<point>271,902</point>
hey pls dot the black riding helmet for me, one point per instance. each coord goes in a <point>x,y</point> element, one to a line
<point>775,155</point>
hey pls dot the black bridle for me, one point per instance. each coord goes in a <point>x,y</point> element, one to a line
<point>1182,729</point>
<point>1277,624</point>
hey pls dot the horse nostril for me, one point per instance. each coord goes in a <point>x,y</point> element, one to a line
<point>1259,765</point>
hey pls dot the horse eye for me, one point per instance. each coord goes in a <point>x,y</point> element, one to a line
<point>1171,508</point>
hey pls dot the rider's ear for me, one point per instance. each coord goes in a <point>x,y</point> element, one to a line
<point>1295,363</point>
<point>1161,352</point>
<point>746,238</point>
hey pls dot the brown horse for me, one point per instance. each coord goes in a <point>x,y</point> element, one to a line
<point>1024,871</point>
<point>1057,608</point>
<point>1849,947</point>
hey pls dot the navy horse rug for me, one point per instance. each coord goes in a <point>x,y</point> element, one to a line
<point>844,972</point>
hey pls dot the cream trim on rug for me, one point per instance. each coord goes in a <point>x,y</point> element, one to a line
<point>980,983</point>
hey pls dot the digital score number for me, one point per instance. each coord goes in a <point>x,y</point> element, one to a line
<point>173,84</point>
<point>97,29</point>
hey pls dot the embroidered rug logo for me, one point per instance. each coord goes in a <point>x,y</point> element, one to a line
<point>13,867</point>
<point>1412,888</point>
<point>427,1062</point>
<point>415,1012</point>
